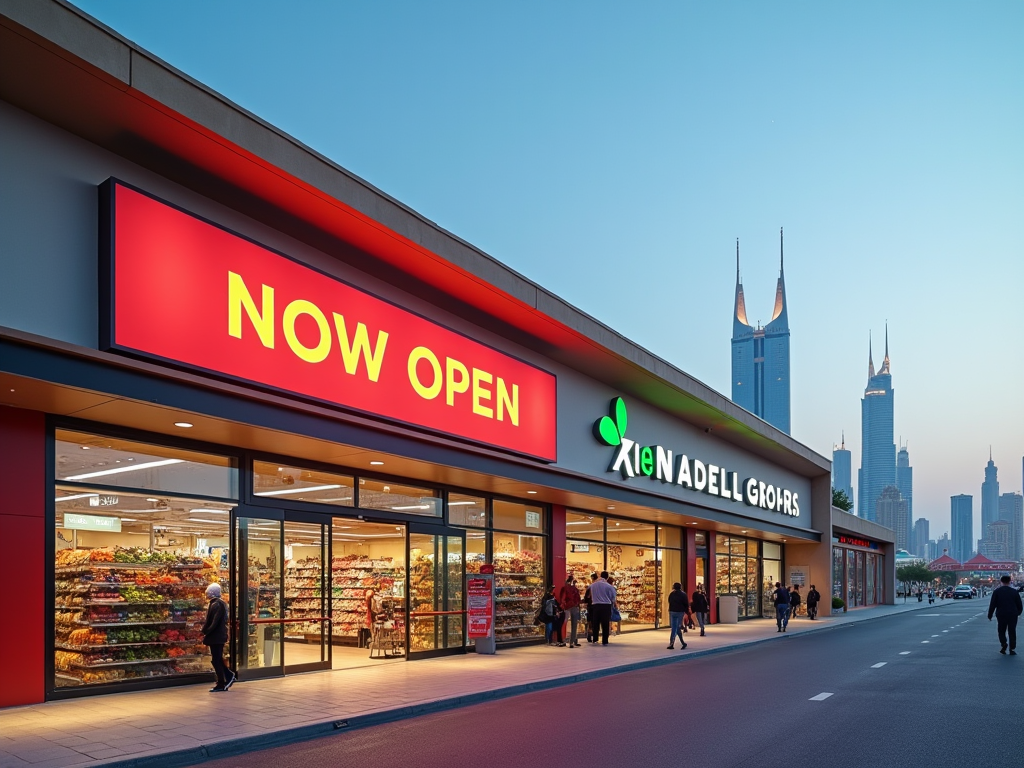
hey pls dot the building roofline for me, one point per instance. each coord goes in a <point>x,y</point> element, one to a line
<point>64,66</point>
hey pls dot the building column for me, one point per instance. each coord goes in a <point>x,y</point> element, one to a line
<point>23,554</point>
<point>558,567</point>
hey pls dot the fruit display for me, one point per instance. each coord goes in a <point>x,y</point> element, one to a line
<point>518,586</point>
<point>123,614</point>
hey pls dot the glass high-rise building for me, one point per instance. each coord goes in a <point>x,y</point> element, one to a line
<point>842,479</point>
<point>760,356</point>
<point>878,451</point>
<point>919,539</point>
<point>905,479</point>
<point>961,512</point>
<point>1011,510</point>
<point>989,495</point>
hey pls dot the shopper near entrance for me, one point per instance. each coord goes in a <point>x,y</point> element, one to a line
<point>215,635</point>
<point>602,596</point>
<point>1006,605</point>
<point>551,616</point>
<point>794,601</point>
<point>569,597</point>
<point>588,601</point>
<point>700,607</point>
<point>678,607</point>
<point>781,606</point>
<point>813,598</point>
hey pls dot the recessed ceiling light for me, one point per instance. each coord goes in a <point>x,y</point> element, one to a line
<point>531,492</point>
<point>376,463</point>
<point>611,506</point>
<point>183,424</point>
<point>153,500</point>
<point>618,523</point>
<point>84,447</point>
<point>742,531</point>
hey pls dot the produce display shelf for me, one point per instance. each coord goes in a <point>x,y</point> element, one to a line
<point>510,627</point>
<point>136,661</point>
<point>131,623</point>
<point>125,602</point>
<point>70,678</point>
<point>502,573</point>
<point>515,599</point>
<point>66,647</point>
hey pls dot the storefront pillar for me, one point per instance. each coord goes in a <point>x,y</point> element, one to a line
<point>710,580</point>
<point>690,549</point>
<point>22,554</point>
<point>558,564</point>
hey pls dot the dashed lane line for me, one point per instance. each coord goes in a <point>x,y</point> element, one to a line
<point>904,653</point>
<point>879,665</point>
<point>820,697</point>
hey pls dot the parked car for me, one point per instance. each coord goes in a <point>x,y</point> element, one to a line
<point>963,591</point>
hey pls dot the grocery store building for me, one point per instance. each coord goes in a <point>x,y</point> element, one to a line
<point>224,357</point>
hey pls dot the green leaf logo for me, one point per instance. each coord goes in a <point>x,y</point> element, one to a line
<point>611,429</point>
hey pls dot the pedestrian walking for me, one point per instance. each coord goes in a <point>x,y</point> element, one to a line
<point>602,597</point>
<point>1006,605</point>
<point>615,622</point>
<point>678,607</point>
<point>794,601</point>
<point>215,635</point>
<point>700,607</point>
<point>781,606</point>
<point>589,602</point>
<point>931,595</point>
<point>569,597</point>
<point>550,614</point>
<point>813,598</point>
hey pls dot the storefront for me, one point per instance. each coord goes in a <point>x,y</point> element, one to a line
<point>224,359</point>
<point>863,561</point>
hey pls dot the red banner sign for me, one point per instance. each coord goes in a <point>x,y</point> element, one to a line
<point>856,542</point>
<point>187,291</point>
<point>480,605</point>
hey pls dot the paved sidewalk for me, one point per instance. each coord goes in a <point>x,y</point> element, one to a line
<point>182,726</point>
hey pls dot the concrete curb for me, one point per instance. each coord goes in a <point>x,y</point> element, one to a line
<point>232,747</point>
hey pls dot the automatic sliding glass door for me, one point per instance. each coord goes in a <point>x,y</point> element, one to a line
<point>437,569</point>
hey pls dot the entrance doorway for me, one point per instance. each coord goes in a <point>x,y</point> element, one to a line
<point>437,575</point>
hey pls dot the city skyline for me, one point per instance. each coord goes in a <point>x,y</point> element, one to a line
<point>626,138</point>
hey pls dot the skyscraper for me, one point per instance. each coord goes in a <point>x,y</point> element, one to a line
<point>842,479</point>
<point>891,512</point>
<point>1011,510</point>
<point>989,495</point>
<point>919,539</point>
<point>878,452</point>
<point>961,512</point>
<point>760,356</point>
<point>905,479</point>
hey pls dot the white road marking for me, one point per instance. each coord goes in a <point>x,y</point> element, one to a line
<point>929,614</point>
<point>879,665</point>
<point>820,697</point>
<point>945,630</point>
<point>904,653</point>
<point>934,635</point>
<point>925,641</point>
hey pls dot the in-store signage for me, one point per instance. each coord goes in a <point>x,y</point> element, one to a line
<point>92,523</point>
<point>532,519</point>
<point>104,501</point>
<point>187,291</point>
<point>579,547</point>
<point>662,464</point>
<point>857,542</point>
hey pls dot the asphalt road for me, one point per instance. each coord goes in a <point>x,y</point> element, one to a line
<point>943,698</point>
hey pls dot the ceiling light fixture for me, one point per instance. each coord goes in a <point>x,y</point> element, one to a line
<point>412,506</point>
<point>307,489</point>
<point>201,520</point>
<point>76,496</point>
<point>531,492</point>
<point>119,470</point>
<point>461,503</point>
<point>376,463</point>
<point>210,511</point>
<point>183,424</point>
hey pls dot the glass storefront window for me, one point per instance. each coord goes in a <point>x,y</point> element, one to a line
<point>851,579</point>
<point>738,573</point>
<point>396,497</point>
<point>513,516</point>
<point>519,569</point>
<point>635,570</point>
<point>870,578</point>
<point>271,480</point>
<point>670,537</point>
<point>583,526</point>
<point>106,461</point>
<point>467,511</point>
<point>837,573</point>
<point>130,577</point>
<point>860,578</point>
<point>582,559</point>
<point>772,573</point>
<point>630,532</point>
<point>670,564</point>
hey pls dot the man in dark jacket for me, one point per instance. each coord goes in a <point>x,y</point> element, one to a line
<point>1006,605</point>
<point>699,605</point>
<point>215,635</point>
<point>781,606</point>
<point>678,607</point>
<point>813,598</point>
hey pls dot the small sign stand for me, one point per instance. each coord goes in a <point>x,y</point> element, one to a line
<point>480,609</point>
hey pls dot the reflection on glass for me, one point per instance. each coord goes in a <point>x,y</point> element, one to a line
<point>631,532</point>
<point>513,516</point>
<point>106,461</point>
<point>425,596</point>
<point>669,536</point>
<point>260,546</point>
<point>296,484</point>
<point>467,511</point>
<point>455,626</point>
<point>395,497</point>
<point>584,526</point>
<point>518,585</point>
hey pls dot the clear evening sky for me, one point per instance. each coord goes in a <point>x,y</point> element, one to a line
<point>614,152</point>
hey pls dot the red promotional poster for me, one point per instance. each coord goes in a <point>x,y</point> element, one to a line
<point>187,291</point>
<point>480,605</point>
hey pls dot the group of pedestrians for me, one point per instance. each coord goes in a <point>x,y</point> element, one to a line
<point>787,602</point>
<point>681,612</point>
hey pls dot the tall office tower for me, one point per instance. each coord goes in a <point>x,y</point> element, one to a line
<point>996,544</point>
<point>989,495</point>
<point>842,479</point>
<point>943,545</point>
<point>934,551</point>
<point>905,478</point>
<point>891,512</point>
<point>961,526</point>
<point>760,356</point>
<point>920,537</point>
<point>1011,509</point>
<point>878,452</point>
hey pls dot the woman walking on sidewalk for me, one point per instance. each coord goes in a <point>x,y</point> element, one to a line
<point>569,597</point>
<point>215,635</point>
<point>678,606</point>
<point>699,605</point>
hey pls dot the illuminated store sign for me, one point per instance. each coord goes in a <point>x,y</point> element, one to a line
<point>634,460</point>
<point>856,542</point>
<point>92,523</point>
<point>187,291</point>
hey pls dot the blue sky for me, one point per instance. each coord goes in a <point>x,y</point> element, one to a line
<point>614,153</point>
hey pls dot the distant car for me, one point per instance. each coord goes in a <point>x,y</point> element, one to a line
<point>963,591</point>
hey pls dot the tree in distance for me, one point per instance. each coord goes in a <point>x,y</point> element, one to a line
<point>917,572</point>
<point>841,500</point>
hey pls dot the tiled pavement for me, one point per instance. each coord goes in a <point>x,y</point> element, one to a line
<point>179,726</point>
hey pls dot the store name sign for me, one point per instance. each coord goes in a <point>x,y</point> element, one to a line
<point>658,463</point>
<point>184,290</point>
<point>92,523</point>
<point>857,542</point>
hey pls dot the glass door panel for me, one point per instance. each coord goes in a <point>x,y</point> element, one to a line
<point>307,630</point>
<point>437,571</point>
<point>454,618</point>
<point>259,564</point>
